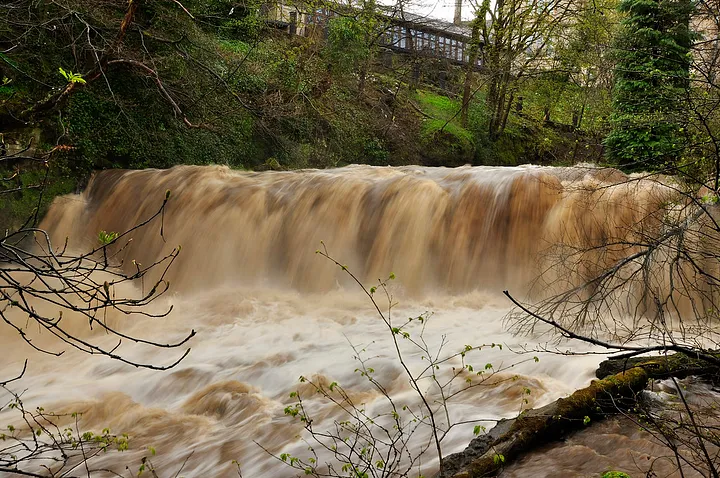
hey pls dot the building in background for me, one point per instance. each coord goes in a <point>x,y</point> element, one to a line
<point>404,33</point>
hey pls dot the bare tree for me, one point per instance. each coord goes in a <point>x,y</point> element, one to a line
<point>392,441</point>
<point>634,271</point>
<point>517,37</point>
<point>45,289</point>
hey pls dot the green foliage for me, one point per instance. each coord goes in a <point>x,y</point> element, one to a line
<point>109,135</point>
<point>249,26</point>
<point>17,207</point>
<point>375,152</point>
<point>238,47</point>
<point>123,119</point>
<point>553,93</point>
<point>525,139</point>
<point>651,79</point>
<point>259,100</point>
<point>72,77</point>
<point>346,44</point>
<point>105,238</point>
<point>246,20</point>
<point>586,62</point>
<point>6,87</point>
<point>615,474</point>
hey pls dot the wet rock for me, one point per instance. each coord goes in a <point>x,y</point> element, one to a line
<point>509,439</point>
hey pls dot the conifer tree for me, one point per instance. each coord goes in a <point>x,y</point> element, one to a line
<point>651,79</point>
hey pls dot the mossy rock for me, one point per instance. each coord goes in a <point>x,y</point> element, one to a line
<point>446,144</point>
<point>659,367</point>
<point>511,438</point>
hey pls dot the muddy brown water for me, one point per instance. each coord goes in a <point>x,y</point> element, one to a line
<point>267,309</point>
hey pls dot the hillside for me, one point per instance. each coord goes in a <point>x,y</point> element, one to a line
<point>96,85</point>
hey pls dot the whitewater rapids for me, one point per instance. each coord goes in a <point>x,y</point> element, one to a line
<point>267,309</point>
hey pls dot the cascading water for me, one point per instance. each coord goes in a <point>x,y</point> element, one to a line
<point>450,230</point>
<point>267,309</point>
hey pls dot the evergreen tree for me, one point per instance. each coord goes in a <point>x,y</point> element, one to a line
<point>651,79</point>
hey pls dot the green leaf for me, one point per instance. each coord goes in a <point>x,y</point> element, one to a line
<point>71,77</point>
<point>105,238</point>
<point>7,60</point>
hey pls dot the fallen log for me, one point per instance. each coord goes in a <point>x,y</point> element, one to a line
<point>660,367</point>
<point>620,381</point>
<point>487,454</point>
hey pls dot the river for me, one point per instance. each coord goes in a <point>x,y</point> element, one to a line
<point>267,309</point>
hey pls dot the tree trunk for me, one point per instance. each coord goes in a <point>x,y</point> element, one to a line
<point>622,380</point>
<point>501,93</point>
<point>469,70</point>
<point>487,454</point>
<point>506,113</point>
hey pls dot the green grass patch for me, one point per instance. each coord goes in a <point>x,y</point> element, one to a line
<point>445,142</point>
<point>438,106</point>
<point>234,46</point>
